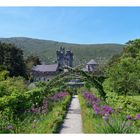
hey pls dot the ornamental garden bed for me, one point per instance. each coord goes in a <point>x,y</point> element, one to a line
<point>99,117</point>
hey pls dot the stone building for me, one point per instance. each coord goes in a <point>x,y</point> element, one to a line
<point>91,66</point>
<point>47,72</point>
<point>64,58</point>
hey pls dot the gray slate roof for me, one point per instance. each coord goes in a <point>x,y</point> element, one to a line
<point>45,68</point>
<point>92,62</point>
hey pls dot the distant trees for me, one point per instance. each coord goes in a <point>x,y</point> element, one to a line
<point>11,59</point>
<point>30,62</point>
<point>124,73</point>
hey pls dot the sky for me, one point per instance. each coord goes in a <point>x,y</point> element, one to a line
<point>84,25</point>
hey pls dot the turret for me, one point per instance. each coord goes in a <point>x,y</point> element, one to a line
<point>64,58</point>
<point>60,57</point>
<point>69,58</point>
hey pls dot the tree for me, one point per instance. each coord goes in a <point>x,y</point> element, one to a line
<point>12,59</point>
<point>124,77</point>
<point>30,62</point>
<point>124,73</point>
<point>3,75</point>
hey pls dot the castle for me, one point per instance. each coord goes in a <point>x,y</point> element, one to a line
<point>64,58</point>
<point>47,72</point>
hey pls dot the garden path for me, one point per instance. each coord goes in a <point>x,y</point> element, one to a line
<point>73,121</point>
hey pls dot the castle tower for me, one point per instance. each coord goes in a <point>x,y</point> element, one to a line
<point>61,57</point>
<point>69,58</point>
<point>64,58</point>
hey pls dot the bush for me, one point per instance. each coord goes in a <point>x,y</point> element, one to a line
<point>127,104</point>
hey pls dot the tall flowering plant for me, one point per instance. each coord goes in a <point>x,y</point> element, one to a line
<point>58,96</point>
<point>44,108</point>
<point>114,121</point>
<point>97,104</point>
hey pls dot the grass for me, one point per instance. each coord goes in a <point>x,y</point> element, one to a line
<point>88,120</point>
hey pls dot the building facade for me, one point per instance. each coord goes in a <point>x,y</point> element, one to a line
<point>91,66</point>
<point>47,72</point>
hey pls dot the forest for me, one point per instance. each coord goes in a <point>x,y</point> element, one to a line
<point>110,103</point>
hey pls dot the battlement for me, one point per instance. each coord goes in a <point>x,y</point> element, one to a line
<point>64,58</point>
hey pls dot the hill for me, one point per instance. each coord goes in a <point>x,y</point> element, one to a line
<point>46,49</point>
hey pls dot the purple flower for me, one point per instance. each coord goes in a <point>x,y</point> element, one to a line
<point>96,108</point>
<point>34,110</point>
<point>95,103</point>
<point>138,116</point>
<point>129,117</point>
<point>91,98</point>
<point>58,96</point>
<point>106,110</point>
<point>9,127</point>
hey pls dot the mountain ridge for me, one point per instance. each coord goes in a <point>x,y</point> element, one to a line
<point>39,39</point>
<point>46,49</point>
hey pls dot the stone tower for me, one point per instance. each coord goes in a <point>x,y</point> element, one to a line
<point>69,58</point>
<point>60,57</point>
<point>64,58</point>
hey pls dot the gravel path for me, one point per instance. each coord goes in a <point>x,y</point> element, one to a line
<point>73,121</point>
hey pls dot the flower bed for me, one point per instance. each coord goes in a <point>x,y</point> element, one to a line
<point>44,116</point>
<point>107,119</point>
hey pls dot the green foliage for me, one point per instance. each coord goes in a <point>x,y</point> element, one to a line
<point>3,75</point>
<point>27,122</point>
<point>36,96</point>
<point>11,58</point>
<point>88,86</point>
<point>16,101</point>
<point>124,73</point>
<point>127,104</point>
<point>52,122</point>
<point>116,124</point>
<point>30,62</point>
<point>124,77</point>
<point>132,49</point>
<point>40,84</point>
<point>9,85</point>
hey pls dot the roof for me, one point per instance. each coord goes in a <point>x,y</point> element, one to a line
<point>45,68</point>
<point>92,62</point>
